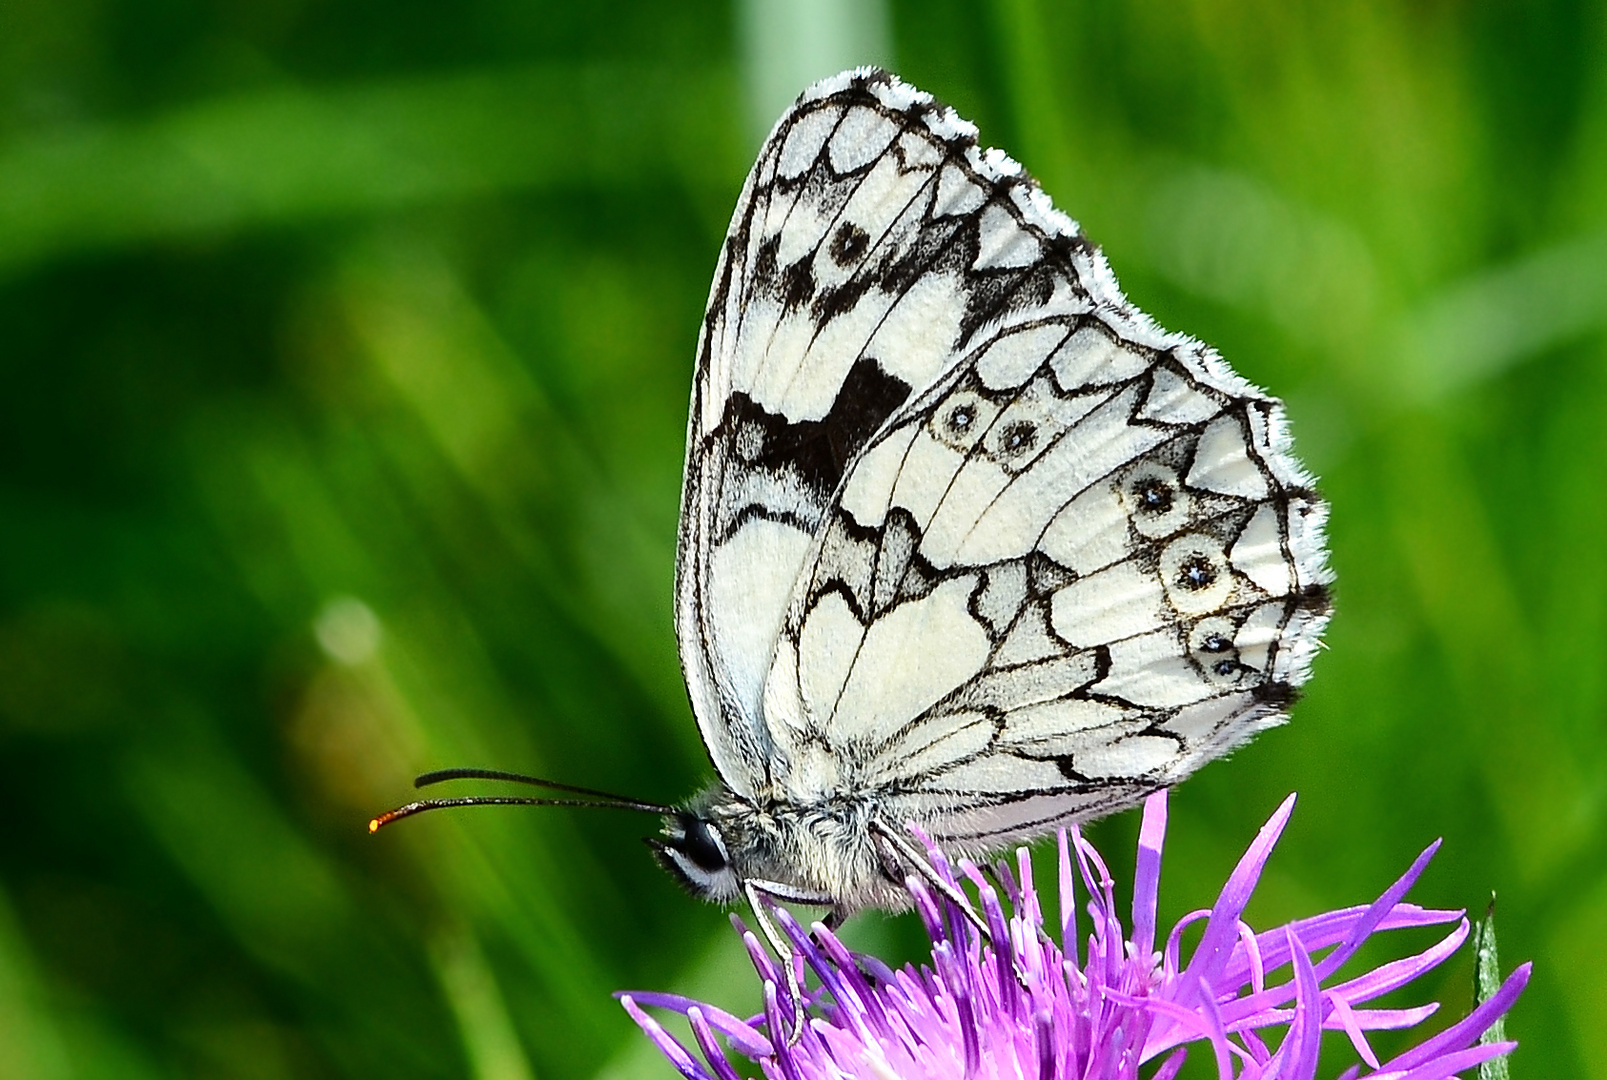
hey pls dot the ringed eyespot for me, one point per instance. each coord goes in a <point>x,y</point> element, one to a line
<point>1215,643</point>
<point>963,419</point>
<point>1196,573</point>
<point>1154,498</point>
<point>1017,439</point>
<point>1153,495</point>
<point>1198,581</point>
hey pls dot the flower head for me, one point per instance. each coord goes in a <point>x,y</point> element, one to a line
<point>1021,1005</point>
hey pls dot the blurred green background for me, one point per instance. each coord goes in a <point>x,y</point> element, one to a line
<point>346,352</point>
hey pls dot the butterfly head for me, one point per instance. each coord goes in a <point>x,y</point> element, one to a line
<point>692,848</point>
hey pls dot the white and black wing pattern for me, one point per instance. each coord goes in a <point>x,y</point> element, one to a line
<point>1048,558</point>
<point>829,309</point>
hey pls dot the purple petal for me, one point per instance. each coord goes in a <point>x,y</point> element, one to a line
<point>1451,1064</point>
<point>940,861</point>
<point>878,970</point>
<point>1220,1045</point>
<point>1317,933</point>
<point>1171,1066</point>
<point>1461,1034</point>
<point>953,972</point>
<point>926,907</point>
<point>742,1035</point>
<point>711,1049</point>
<point>812,956</point>
<point>1007,881</point>
<point>1174,940</point>
<point>1068,901</point>
<point>1398,973</point>
<point>1031,911</point>
<point>1147,872</point>
<point>665,1042</point>
<point>760,959</point>
<point>1375,913</point>
<point>1252,952</point>
<point>1366,1019</point>
<point>1352,1027</point>
<point>779,1032</point>
<point>657,1000</point>
<point>1043,1037</point>
<point>1215,948</point>
<point>1393,1019</point>
<point>1090,860</point>
<point>1305,1033</point>
<point>1102,908</point>
<point>1003,954</point>
<point>1187,1019</point>
<point>863,996</point>
<point>1258,1049</point>
<point>1260,1009</point>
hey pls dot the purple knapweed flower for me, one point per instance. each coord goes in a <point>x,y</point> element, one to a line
<point>1020,1006</point>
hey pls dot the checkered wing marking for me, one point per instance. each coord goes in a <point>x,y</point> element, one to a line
<point>833,303</point>
<point>1074,565</point>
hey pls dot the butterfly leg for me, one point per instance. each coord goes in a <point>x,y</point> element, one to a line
<point>917,861</point>
<point>951,892</point>
<point>758,892</point>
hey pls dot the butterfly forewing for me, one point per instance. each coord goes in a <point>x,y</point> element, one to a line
<point>822,319</point>
<point>961,527</point>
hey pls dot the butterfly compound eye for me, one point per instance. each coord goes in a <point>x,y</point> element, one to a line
<point>694,853</point>
<point>702,845</point>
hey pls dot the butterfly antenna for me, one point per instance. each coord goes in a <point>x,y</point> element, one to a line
<point>493,800</point>
<point>622,801</point>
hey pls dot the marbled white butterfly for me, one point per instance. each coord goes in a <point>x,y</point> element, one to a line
<point>966,539</point>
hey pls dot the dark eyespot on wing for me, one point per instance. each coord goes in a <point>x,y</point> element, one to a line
<point>1017,439</point>
<point>1196,573</point>
<point>1154,496</point>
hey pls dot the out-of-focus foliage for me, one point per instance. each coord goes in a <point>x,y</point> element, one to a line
<point>346,349</point>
